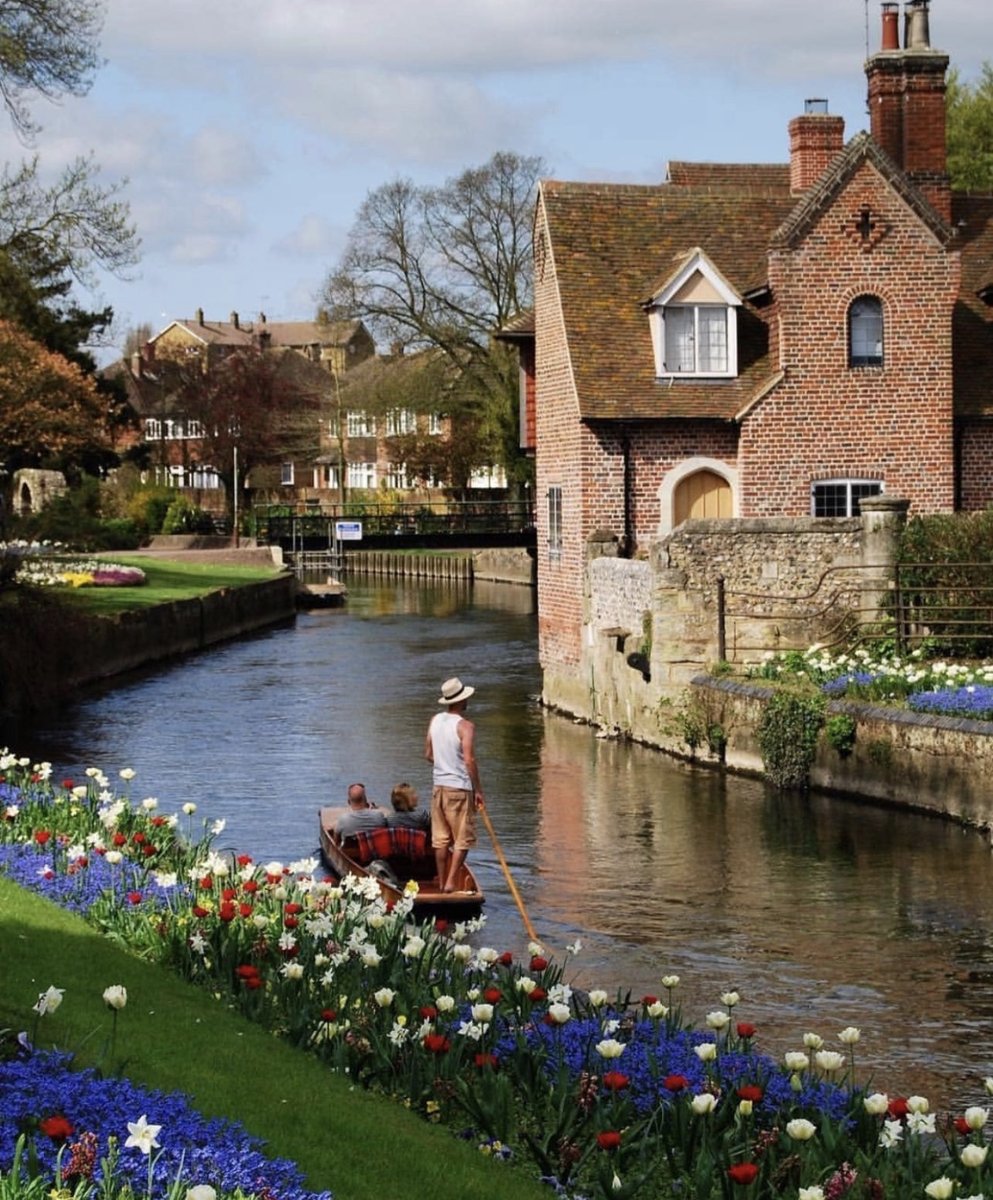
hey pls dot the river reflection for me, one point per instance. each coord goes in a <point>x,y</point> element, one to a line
<point>822,913</point>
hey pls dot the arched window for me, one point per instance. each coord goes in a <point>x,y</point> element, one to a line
<point>865,332</point>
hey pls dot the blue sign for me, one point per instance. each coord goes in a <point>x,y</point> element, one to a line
<point>348,531</point>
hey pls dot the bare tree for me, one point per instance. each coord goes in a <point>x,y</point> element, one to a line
<point>444,267</point>
<point>47,48</point>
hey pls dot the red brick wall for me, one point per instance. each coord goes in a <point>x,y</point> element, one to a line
<point>558,463</point>
<point>826,420</point>
<point>977,465</point>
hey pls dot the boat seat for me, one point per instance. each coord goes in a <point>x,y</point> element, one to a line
<point>388,844</point>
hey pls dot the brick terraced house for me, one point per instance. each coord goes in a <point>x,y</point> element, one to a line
<point>761,340</point>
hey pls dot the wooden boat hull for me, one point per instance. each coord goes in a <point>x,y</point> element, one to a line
<point>430,902</point>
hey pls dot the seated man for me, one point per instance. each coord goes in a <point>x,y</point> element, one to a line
<point>406,814</point>
<point>360,815</point>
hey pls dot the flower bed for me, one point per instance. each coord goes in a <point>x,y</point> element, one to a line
<point>956,689</point>
<point>74,1126</point>
<point>603,1096</point>
<point>44,564</point>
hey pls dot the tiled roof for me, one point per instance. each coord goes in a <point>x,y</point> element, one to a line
<point>736,176</point>
<point>612,243</point>
<point>281,333</point>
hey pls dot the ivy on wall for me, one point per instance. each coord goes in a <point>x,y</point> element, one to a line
<point>787,735</point>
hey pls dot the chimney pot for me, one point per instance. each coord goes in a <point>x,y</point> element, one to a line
<point>918,36</point>
<point>815,106</point>
<point>891,26</point>
<point>199,316</point>
<point>234,320</point>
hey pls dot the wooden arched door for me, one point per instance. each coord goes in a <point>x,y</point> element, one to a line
<point>702,495</point>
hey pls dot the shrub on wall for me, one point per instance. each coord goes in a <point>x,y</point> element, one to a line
<point>787,734</point>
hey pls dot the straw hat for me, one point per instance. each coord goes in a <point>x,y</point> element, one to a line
<point>453,690</point>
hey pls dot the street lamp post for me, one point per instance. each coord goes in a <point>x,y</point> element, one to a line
<point>234,531</point>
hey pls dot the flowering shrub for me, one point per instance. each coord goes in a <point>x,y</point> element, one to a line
<point>605,1098</point>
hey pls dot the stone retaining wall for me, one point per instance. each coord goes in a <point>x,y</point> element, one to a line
<point>934,764</point>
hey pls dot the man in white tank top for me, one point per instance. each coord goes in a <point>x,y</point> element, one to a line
<point>450,748</point>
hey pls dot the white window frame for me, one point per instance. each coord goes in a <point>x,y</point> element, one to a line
<point>667,300</point>
<point>862,488</point>
<point>326,476</point>
<point>362,475</point>
<point>396,477</point>
<point>360,423</point>
<point>554,498</point>
<point>286,474</point>
<point>400,421</point>
<point>435,428</point>
<point>153,429</point>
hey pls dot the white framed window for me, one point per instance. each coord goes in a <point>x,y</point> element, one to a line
<point>693,320</point>
<point>173,429</point>
<point>326,476</point>
<point>286,474</point>
<point>400,421</point>
<point>554,523</point>
<point>202,476</point>
<point>840,497</point>
<point>194,428</point>
<point>488,477</point>
<point>396,477</point>
<point>360,424</point>
<point>434,424</point>
<point>362,475</point>
<point>153,429</point>
<point>865,332</point>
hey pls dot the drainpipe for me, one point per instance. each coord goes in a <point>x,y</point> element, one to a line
<point>627,547</point>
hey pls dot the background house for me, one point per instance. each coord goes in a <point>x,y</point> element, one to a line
<point>763,341</point>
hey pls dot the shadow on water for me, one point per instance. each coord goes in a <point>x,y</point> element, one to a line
<point>821,912</point>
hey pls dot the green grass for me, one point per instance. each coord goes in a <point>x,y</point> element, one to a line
<point>166,581</point>
<point>176,1037</point>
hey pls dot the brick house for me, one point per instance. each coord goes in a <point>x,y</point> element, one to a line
<point>761,340</point>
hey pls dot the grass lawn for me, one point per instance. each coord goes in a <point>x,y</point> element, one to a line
<point>166,580</point>
<point>175,1037</point>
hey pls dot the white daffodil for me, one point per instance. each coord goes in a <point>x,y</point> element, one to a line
<point>143,1135</point>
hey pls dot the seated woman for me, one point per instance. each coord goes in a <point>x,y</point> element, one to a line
<point>406,814</point>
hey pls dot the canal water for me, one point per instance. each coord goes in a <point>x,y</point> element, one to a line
<point>820,912</point>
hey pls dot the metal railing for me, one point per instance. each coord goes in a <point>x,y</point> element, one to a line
<point>280,523</point>
<point>947,605</point>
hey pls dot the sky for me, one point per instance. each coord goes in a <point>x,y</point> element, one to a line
<point>250,131</point>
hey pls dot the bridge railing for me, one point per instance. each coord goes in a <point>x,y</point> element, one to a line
<point>292,523</point>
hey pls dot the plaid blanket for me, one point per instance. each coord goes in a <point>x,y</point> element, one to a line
<point>387,843</point>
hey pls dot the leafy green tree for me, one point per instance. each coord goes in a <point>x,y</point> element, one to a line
<point>48,48</point>
<point>969,109</point>
<point>442,268</point>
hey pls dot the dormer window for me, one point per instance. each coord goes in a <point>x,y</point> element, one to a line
<point>694,322</point>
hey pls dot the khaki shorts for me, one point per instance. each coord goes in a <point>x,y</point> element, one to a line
<point>453,818</point>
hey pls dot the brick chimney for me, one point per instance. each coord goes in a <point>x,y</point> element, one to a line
<point>907,102</point>
<point>234,320</point>
<point>815,139</point>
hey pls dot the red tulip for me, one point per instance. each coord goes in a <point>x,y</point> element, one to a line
<point>57,1127</point>
<point>328,1014</point>
<point>119,839</point>
<point>745,1030</point>
<point>615,1081</point>
<point>646,1000</point>
<point>538,994</point>
<point>898,1108</point>
<point>226,912</point>
<point>505,959</point>
<point>750,1091</point>
<point>437,1043</point>
<point>427,1012</point>
<point>42,836</point>
<point>610,1139</point>
<point>134,897</point>
<point>244,860</point>
<point>539,964</point>
<point>743,1173</point>
<point>199,911</point>
<point>492,995</point>
<point>484,1061</point>
<point>250,885</point>
<point>206,883</point>
<point>675,1083</point>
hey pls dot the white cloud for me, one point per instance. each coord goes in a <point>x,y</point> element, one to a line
<point>313,235</point>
